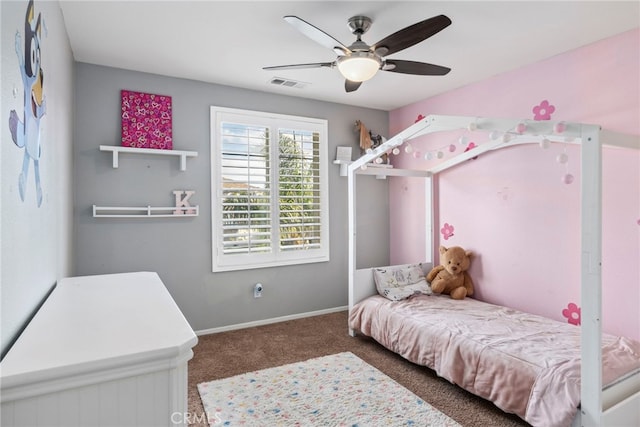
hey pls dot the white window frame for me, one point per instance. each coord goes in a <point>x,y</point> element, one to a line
<point>228,262</point>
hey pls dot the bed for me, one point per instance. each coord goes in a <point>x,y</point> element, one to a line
<point>525,364</point>
<point>602,376</point>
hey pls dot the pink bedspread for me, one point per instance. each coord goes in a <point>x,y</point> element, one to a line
<point>527,365</point>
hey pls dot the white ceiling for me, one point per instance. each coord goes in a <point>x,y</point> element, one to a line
<point>228,42</point>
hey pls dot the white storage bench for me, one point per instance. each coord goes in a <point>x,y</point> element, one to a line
<point>107,350</point>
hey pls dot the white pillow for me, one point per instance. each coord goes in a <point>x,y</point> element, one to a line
<point>397,283</point>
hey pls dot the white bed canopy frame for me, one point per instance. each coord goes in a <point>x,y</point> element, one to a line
<point>591,138</point>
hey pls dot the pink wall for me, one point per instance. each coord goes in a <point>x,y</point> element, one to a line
<point>511,207</point>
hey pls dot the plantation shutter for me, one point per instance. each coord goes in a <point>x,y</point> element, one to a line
<point>299,190</point>
<point>269,190</point>
<point>246,189</point>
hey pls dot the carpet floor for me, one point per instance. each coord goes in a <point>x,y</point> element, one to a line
<point>236,352</point>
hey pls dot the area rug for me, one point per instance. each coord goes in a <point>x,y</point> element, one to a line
<point>336,390</point>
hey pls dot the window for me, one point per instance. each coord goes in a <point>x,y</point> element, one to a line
<point>269,189</point>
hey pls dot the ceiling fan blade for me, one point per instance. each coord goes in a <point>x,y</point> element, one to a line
<point>350,86</point>
<point>411,35</point>
<point>413,67</point>
<point>299,66</point>
<point>317,35</point>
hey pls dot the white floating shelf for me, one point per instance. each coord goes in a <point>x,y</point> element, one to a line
<point>345,163</point>
<point>144,212</point>
<point>115,149</point>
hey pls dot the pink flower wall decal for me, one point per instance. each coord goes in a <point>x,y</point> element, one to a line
<point>447,231</point>
<point>572,313</point>
<point>543,111</point>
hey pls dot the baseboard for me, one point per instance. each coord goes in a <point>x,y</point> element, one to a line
<point>269,321</point>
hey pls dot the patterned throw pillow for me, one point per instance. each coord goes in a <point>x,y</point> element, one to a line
<point>398,283</point>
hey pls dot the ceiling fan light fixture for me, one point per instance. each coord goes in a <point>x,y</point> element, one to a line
<point>359,61</point>
<point>359,66</point>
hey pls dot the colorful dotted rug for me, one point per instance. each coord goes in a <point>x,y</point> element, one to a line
<point>336,390</point>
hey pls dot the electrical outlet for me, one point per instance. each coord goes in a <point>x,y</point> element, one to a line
<point>257,290</point>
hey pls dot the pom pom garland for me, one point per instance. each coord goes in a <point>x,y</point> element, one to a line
<point>562,158</point>
<point>560,127</point>
<point>497,136</point>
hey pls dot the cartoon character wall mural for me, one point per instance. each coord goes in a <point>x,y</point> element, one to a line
<point>25,131</point>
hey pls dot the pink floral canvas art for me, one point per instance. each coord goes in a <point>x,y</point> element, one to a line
<point>146,120</point>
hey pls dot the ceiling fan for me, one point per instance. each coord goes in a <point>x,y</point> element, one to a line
<point>360,62</point>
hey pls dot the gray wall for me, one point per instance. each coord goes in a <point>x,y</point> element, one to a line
<point>180,249</point>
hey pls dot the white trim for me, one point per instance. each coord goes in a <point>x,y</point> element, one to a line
<point>269,321</point>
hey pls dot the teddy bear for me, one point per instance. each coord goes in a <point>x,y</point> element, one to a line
<point>451,277</point>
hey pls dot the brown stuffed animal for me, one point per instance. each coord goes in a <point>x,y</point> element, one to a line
<point>451,277</point>
<point>365,138</point>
